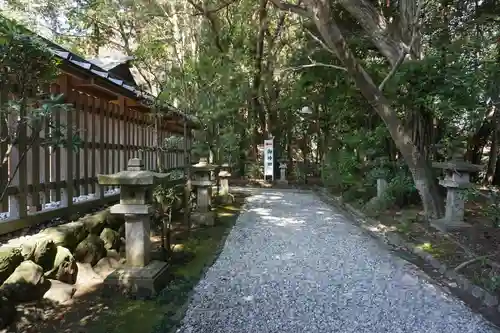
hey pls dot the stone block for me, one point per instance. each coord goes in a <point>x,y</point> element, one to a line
<point>142,282</point>
<point>490,300</point>
<point>203,218</point>
<point>137,241</point>
<point>477,291</point>
<point>446,225</point>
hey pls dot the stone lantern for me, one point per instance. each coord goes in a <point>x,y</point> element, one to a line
<point>140,274</point>
<point>224,175</point>
<point>283,179</point>
<point>202,184</point>
<point>456,181</point>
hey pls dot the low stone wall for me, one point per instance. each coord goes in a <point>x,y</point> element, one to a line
<point>29,265</point>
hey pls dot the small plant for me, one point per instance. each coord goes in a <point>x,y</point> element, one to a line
<point>166,201</point>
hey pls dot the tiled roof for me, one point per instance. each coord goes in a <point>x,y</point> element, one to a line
<point>102,70</point>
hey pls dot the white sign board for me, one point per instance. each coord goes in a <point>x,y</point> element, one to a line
<point>268,158</point>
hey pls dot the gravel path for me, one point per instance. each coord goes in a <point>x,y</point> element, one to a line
<point>293,264</point>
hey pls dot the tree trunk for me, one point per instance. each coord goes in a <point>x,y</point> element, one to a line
<point>492,161</point>
<point>421,172</point>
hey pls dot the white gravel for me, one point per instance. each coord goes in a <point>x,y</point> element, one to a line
<point>293,264</point>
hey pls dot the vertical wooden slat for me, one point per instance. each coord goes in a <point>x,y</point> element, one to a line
<point>46,155</point>
<point>142,140</point>
<point>94,133</point>
<point>150,143</point>
<point>102,106</point>
<point>85,137</point>
<point>107,115</point>
<point>119,137</point>
<point>56,151</point>
<point>67,165</point>
<point>114,167</point>
<point>19,170</point>
<point>79,100</point>
<point>35,170</point>
<point>134,133</point>
<point>124,141</point>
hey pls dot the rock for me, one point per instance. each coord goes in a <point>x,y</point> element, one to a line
<point>44,254</point>
<point>25,284</point>
<point>67,235</point>
<point>10,258</point>
<point>106,266</point>
<point>59,292</point>
<point>113,254</point>
<point>90,250</point>
<point>94,224</point>
<point>111,239</point>
<point>7,312</point>
<point>64,267</point>
<point>87,275</point>
<point>115,221</point>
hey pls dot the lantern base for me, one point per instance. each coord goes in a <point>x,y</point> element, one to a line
<point>446,225</point>
<point>203,218</point>
<point>142,282</point>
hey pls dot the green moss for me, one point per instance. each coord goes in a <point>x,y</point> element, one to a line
<point>442,250</point>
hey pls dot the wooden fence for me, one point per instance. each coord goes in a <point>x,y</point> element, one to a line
<point>60,181</point>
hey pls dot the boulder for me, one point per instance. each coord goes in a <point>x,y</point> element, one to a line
<point>59,292</point>
<point>7,312</point>
<point>67,235</point>
<point>44,254</point>
<point>94,224</point>
<point>106,266</point>
<point>113,254</point>
<point>10,258</point>
<point>25,284</point>
<point>90,250</point>
<point>111,239</point>
<point>115,221</point>
<point>86,275</point>
<point>64,267</point>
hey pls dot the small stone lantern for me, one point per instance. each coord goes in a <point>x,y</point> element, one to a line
<point>202,184</point>
<point>224,175</point>
<point>283,179</point>
<point>457,179</point>
<point>136,185</point>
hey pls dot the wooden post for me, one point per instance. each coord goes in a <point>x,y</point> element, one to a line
<point>76,150</point>
<point>46,157</point>
<point>67,152</point>
<point>36,168</point>
<point>94,135</point>
<point>56,152</point>
<point>123,130</point>
<point>85,138</point>
<point>18,169</point>
<point>101,169</point>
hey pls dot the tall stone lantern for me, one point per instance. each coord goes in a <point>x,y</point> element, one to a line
<point>202,184</point>
<point>456,181</point>
<point>224,175</point>
<point>140,274</point>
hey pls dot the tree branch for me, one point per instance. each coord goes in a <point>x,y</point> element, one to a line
<point>314,64</point>
<point>290,7</point>
<point>406,48</point>
<point>320,42</point>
